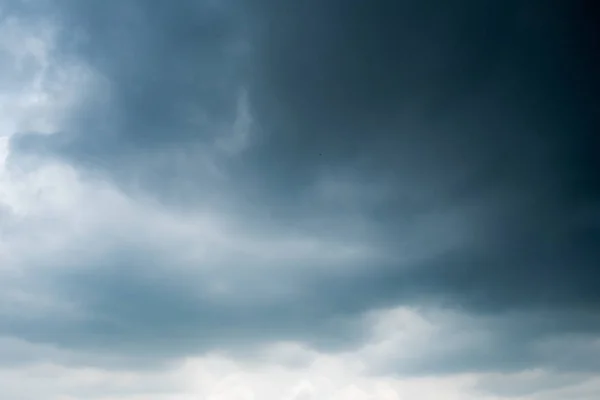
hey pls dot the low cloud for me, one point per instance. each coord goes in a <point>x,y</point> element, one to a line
<point>323,199</point>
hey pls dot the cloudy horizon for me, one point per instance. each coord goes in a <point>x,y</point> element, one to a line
<point>298,200</point>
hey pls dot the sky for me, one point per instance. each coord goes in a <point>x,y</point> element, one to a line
<point>299,200</point>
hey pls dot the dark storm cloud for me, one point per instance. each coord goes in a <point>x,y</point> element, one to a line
<point>470,104</point>
<point>480,108</point>
<point>445,102</point>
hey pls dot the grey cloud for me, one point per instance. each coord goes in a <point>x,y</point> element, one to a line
<point>130,307</point>
<point>470,106</point>
<point>554,342</point>
<point>515,387</point>
<point>169,79</point>
<point>136,312</point>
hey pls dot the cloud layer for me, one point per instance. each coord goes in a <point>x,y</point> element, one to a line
<point>395,195</point>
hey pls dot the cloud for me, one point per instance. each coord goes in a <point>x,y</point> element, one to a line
<point>474,134</point>
<point>403,188</point>
<point>325,376</point>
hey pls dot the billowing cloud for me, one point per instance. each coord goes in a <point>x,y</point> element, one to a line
<point>395,195</point>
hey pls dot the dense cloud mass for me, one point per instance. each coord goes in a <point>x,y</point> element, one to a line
<point>400,194</point>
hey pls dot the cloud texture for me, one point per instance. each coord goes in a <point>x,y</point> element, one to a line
<point>398,196</point>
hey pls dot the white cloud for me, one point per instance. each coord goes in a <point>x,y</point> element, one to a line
<point>217,378</point>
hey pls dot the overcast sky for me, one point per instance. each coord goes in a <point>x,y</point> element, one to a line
<point>299,200</point>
